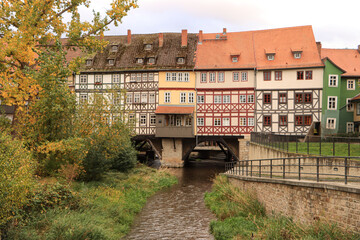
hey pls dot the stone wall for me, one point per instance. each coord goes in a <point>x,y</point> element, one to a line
<point>306,202</point>
<point>172,152</point>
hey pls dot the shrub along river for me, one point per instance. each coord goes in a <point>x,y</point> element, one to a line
<point>180,212</point>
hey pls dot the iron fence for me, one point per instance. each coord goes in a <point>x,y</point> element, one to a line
<point>315,145</point>
<point>324,169</point>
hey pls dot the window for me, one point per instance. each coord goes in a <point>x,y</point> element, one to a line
<point>151,77</point>
<point>307,120</point>
<point>242,99</point>
<point>186,77</point>
<point>308,75</point>
<point>278,75</point>
<point>226,122</point>
<point>283,120</point>
<point>349,127</point>
<point>242,121</point>
<point>180,60</point>
<point>88,62</point>
<point>332,103</point>
<point>200,99</point>
<point>114,48</point>
<point>178,121</point>
<point>138,77</point>
<point>235,76</point>
<point>168,77</point>
<point>128,98</point>
<point>221,76</point>
<point>251,122</point>
<point>144,77</point>
<point>267,75</point>
<point>333,80</point>
<point>111,61</point>
<point>303,98</point>
<point>83,98</point>
<point>270,57</point>
<point>180,77</point>
<point>191,98</point>
<point>188,121</point>
<point>116,78</point>
<point>217,121</point>
<point>83,79</point>
<point>307,97</point>
<point>358,109</point>
<point>234,59</point>
<point>217,99</point>
<point>267,98</point>
<point>303,120</point>
<point>298,120</point>
<point>282,98</point>
<point>350,84</point>
<point>117,99</point>
<point>142,120</point>
<point>349,105</point>
<point>200,121</point>
<point>330,123</point>
<point>182,97</point>
<point>267,120</point>
<point>131,118</point>
<point>212,76</point>
<point>203,77</point>
<point>297,55</point>
<point>143,98</point>
<point>226,99</point>
<point>250,98</point>
<point>148,46</point>
<point>152,119</point>
<point>173,77</point>
<point>98,79</point>
<point>300,75</point>
<point>133,77</point>
<point>151,61</point>
<point>244,76</point>
<point>167,97</point>
<point>140,60</point>
<point>152,98</point>
<point>137,98</point>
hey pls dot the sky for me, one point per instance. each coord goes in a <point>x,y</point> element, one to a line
<point>335,24</point>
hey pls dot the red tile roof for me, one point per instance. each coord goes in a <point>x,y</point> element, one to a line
<point>253,46</point>
<point>174,110</point>
<point>346,59</point>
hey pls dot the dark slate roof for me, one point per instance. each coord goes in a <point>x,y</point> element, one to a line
<point>165,56</point>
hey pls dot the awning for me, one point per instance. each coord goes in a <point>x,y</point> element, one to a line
<point>355,99</point>
<point>174,110</point>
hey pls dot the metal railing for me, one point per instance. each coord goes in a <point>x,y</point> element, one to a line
<point>315,145</point>
<point>324,169</point>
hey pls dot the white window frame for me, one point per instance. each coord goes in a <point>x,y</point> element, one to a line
<point>180,77</point>
<point>333,80</point>
<point>270,57</point>
<point>203,77</point>
<point>143,120</point>
<point>348,86</point>
<point>251,122</point>
<point>242,99</point>
<point>133,77</point>
<point>350,127</point>
<point>83,98</point>
<point>168,77</point>
<point>200,121</point>
<point>144,98</point>
<point>244,76</point>
<point>83,79</point>
<point>297,55</point>
<point>167,97</point>
<point>138,77</point>
<point>151,77</point>
<point>186,77</point>
<point>116,78</point>
<point>137,98</point>
<point>182,97</point>
<point>200,99</point>
<point>212,77</point>
<point>129,98</point>
<point>217,99</point>
<point>217,122</point>
<point>178,121</point>
<point>152,97</point>
<point>98,79</point>
<point>226,99</point>
<point>152,119</point>
<point>226,122</point>
<point>331,123</point>
<point>250,98</point>
<point>349,106</point>
<point>242,121</point>
<point>235,59</point>
<point>173,77</point>
<point>191,98</point>
<point>221,77</point>
<point>144,77</point>
<point>332,103</point>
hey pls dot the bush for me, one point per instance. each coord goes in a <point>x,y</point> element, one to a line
<point>95,163</point>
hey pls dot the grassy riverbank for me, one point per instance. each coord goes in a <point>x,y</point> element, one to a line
<point>96,210</point>
<point>241,216</point>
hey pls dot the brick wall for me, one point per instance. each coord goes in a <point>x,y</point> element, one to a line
<point>306,201</point>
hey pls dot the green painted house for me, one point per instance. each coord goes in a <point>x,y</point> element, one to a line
<point>341,83</point>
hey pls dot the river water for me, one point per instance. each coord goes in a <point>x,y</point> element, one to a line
<point>179,212</point>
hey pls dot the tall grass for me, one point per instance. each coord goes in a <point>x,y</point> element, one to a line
<point>106,209</point>
<point>241,216</point>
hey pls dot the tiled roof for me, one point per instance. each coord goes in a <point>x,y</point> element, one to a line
<point>174,110</point>
<point>346,59</point>
<point>254,45</point>
<point>356,98</point>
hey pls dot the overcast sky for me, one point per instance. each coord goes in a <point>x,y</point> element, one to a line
<point>336,24</point>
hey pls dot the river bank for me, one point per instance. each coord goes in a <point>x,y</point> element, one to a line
<point>95,210</point>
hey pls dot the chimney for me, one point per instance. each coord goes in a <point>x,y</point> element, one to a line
<point>224,31</point>
<point>200,36</point>
<point>184,38</point>
<point>161,39</point>
<point>129,37</point>
<point>319,46</point>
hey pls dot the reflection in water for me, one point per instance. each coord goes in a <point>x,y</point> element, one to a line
<point>179,212</point>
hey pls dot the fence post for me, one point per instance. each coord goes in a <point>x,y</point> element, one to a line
<point>283,168</point>
<point>346,170</point>
<point>317,170</point>
<point>270,168</point>
<point>299,169</point>
<point>251,168</point>
<point>259,168</point>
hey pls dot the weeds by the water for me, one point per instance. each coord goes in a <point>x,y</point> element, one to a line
<point>241,216</point>
<point>105,210</point>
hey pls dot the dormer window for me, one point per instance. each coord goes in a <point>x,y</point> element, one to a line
<point>89,62</point>
<point>114,48</point>
<point>297,55</point>
<point>270,57</point>
<point>235,59</point>
<point>111,62</point>
<point>148,46</point>
<point>180,60</point>
<point>151,60</point>
<point>296,51</point>
<point>140,60</point>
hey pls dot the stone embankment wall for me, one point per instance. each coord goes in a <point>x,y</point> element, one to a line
<point>306,202</point>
